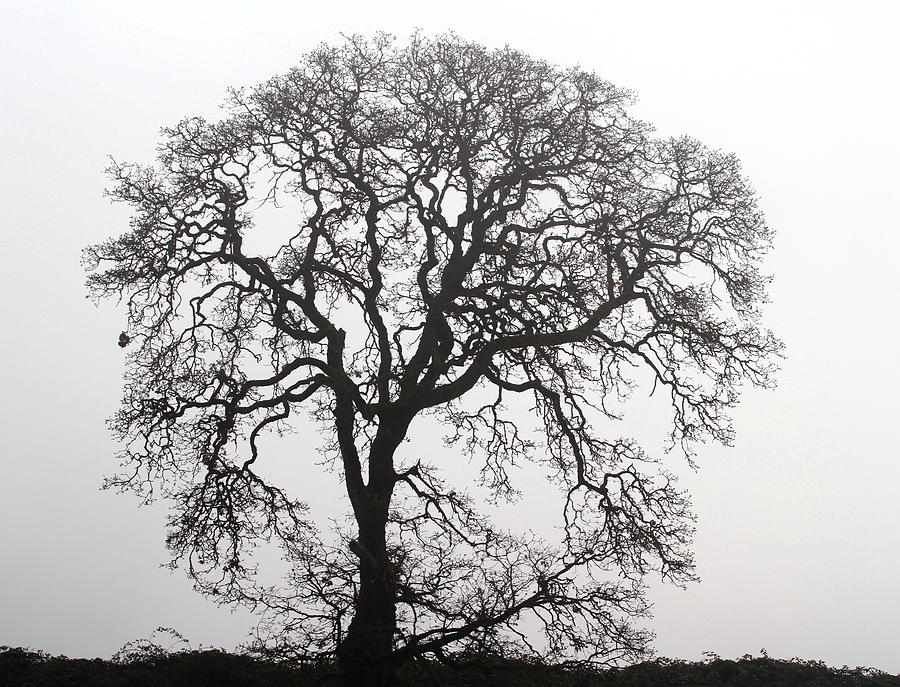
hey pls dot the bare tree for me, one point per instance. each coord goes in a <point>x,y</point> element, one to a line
<point>471,226</point>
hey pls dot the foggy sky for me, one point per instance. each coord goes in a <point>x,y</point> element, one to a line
<point>797,543</point>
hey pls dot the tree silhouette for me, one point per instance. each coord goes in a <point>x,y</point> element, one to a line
<point>471,226</point>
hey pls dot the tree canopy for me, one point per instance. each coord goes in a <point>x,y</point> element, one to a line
<point>468,226</point>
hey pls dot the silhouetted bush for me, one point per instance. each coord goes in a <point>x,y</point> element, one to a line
<point>208,668</point>
<point>146,664</point>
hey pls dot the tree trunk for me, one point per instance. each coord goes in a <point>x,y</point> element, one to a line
<point>365,653</point>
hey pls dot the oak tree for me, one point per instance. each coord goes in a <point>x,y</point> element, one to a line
<point>469,227</point>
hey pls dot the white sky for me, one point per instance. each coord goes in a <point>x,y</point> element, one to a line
<point>798,543</point>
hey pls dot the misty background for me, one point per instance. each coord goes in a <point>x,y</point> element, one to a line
<point>797,543</point>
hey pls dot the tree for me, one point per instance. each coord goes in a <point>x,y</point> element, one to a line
<point>472,226</point>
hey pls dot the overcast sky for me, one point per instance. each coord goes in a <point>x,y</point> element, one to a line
<point>798,544</point>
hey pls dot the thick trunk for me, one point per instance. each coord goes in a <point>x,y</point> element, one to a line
<point>365,653</point>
